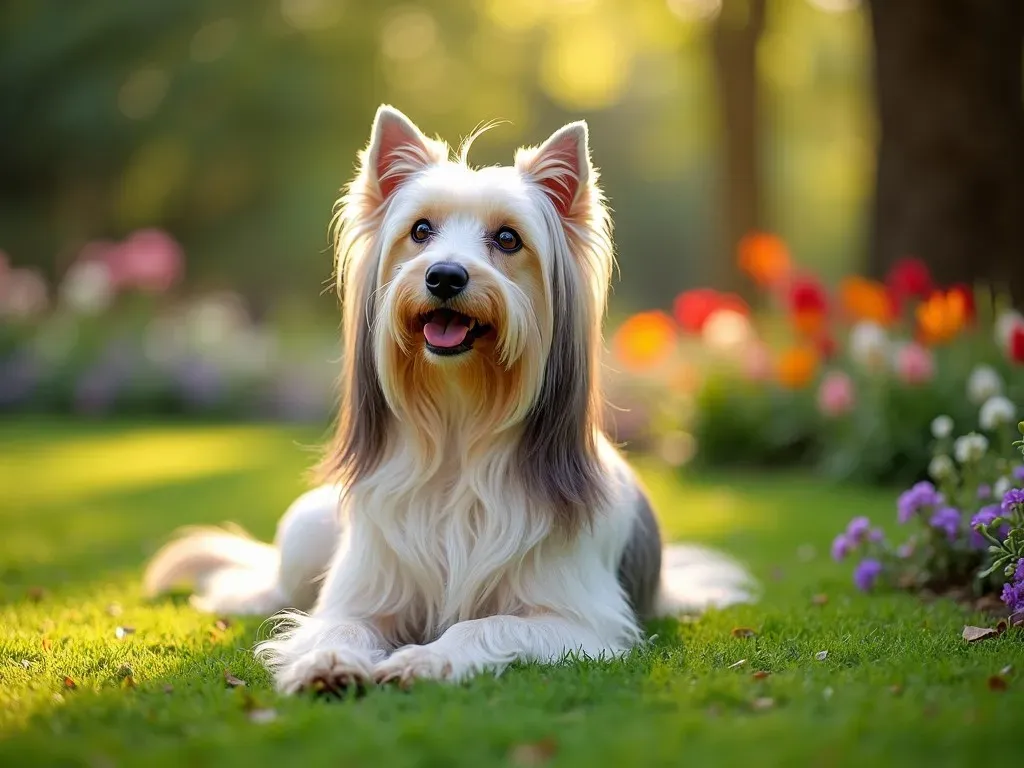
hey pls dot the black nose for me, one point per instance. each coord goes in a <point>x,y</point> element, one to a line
<point>446,280</point>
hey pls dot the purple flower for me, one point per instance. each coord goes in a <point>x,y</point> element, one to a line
<point>1018,473</point>
<point>841,547</point>
<point>876,535</point>
<point>984,492</point>
<point>919,497</point>
<point>946,519</point>
<point>866,574</point>
<point>985,516</point>
<point>858,529</point>
<point>1013,497</point>
<point>1013,591</point>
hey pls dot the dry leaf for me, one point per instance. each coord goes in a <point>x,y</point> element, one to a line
<point>222,624</point>
<point>232,681</point>
<point>537,753</point>
<point>47,644</point>
<point>1002,626</point>
<point>735,664</point>
<point>26,663</point>
<point>262,716</point>
<point>997,683</point>
<point>128,681</point>
<point>763,703</point>
<point>760,675</point>
<point>821,655</point>
<point>114,609</point>
<point>69,683</point>
<point>122,632</point>
<point>896,690</point>
<point>974,634</point>
<point>36,594</point>
<point>1017,619</point>
<point>821,599</point>
<point>743,632</point>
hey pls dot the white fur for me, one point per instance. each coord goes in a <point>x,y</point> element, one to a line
<point>441,559</point>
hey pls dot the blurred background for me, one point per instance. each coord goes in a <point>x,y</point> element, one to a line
<point>168,170</point>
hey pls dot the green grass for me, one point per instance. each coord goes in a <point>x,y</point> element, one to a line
<point>82,507</point>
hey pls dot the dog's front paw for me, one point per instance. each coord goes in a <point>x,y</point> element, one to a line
<point>414,662</point>
<point>326,671</point>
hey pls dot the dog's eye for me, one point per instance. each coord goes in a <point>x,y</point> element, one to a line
<point>421,231</point>
<point>508,240</point>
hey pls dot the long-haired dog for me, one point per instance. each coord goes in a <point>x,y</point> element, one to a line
<point>475,513</point>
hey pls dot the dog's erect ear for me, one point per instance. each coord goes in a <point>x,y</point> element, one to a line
<point>561,166</point>
<point>397,150</point>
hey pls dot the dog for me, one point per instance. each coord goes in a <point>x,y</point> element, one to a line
<point>473,513</point>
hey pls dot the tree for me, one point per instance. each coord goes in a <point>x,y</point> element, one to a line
<point>950,174</point>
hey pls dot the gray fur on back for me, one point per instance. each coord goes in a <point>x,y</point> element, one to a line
<point>640,567</point>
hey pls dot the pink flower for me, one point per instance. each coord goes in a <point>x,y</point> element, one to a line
<point>757,362</point>
<point>836,395</point>
<point>914,364</point>
<point>149,260</point>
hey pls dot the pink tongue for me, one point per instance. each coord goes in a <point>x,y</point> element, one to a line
<point>449,334</point>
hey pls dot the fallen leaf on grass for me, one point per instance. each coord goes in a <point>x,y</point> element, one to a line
<point>128,681</point>
<point>735,664</point>
<point>1017,619</point>
<point>974,634</point>
<point>821,599</point>
<point>997,683</point>
<point>232,681</point>
<point>743,632</point>
<point>821,655</point>
<point>536,753</point>
<point>762,704</point>
<point>760,675</point>
<point>47,644</point>
<point>36,594</point>
<point>69,683</point>
<point>122,632</point>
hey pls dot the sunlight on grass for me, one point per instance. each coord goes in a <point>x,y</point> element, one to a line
<point>76,468</point>
<point>686,511</point>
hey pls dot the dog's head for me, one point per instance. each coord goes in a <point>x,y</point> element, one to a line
<point>473,301</point>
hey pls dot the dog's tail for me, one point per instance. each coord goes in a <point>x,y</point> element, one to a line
<point>231,571</point>
<point>234,573</point>
<point>694,578</point>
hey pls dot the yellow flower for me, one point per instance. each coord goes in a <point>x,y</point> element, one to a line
<point>644,340</point>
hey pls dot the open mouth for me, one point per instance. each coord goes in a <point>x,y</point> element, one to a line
<point>448,332</point>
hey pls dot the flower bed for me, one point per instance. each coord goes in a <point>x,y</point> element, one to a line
<point>845,378</point>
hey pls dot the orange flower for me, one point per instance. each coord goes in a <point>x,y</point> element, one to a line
<point>796,367</point>
<point>644,340</point>
<point>864,299</point>
<point>941,317</point>
<point>765,258</point>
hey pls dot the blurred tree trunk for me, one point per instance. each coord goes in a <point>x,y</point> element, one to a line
<point>734,40</point>
<point>950,176</point>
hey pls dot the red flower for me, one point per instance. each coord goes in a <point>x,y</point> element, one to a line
<point>909,278</point>
<point>808,305</point>
<point>1017,344</point>
<point>693,308</point>
<point>826,346</point>
<point>970,310</point>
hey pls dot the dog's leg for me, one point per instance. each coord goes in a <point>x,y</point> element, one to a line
<point>492,643</point>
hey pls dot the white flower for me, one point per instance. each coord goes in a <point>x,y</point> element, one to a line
<point>970,448</point>
<point>726,330</point>
<point>1000,487</point>
<point>997,412</point>
<point>1004,326</point>
<point>983,383</point>
<point>942,427</point>
<point>869,345</point>
<point>940,468</point>
<point>87,287</point>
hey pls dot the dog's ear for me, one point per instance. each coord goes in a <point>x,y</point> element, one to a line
<point>561,166</point>
<point>397,150</point>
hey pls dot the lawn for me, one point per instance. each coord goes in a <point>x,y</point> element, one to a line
<point>81,507</point>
